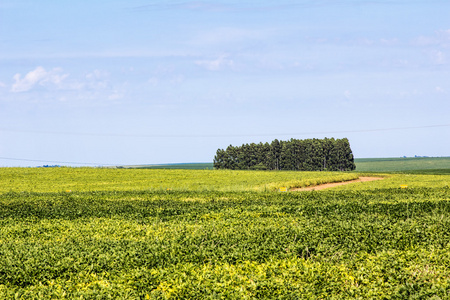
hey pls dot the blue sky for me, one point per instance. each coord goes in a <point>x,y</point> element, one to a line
<point>148,82</point>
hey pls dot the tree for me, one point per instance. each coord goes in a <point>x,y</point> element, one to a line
<point>309,155</point>
<point>276,152</point>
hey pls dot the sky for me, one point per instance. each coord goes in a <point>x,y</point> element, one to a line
<point>108,82</point>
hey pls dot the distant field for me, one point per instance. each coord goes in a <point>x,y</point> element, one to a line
<point>422,165</point>
<point>181,166</point>
<point>434,165</point>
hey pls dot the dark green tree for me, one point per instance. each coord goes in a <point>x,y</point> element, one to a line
<point>326,154</point>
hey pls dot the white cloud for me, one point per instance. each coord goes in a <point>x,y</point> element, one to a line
<point>160,79</point>
<point>97,80</point>
<point>97,74</point>
<point>216,64</point>
<point>116,95</point>
<point>188,5</point>
<point>438,57</point>
<point>154,81</point>
<point>366,42</point>
<point>347,94</point>
<point>424,41</point>
<point>440,38</point>
<point>229,36</point>
<point>93,87</point>
<point>389,42</point>
<point>439,90</point>
<point>444,36</point>
<point>38,76</point>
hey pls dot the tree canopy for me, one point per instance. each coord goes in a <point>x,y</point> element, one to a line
<point>326,154</point>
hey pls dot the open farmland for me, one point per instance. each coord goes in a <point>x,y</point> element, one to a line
<point>92,179</point>
<point>420,165</point>
<point>82,233</point>
<point>404,164</point>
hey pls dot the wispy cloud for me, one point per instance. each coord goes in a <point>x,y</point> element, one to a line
<point>440,38</point>
<point>216,64</point>
<point>248,5</point>
<point>437,46</point>
<point>389,41</point>
<point>92,87</point>
<point>232,35</point>
<point>56,79</point>
<point>97,79</point>
<point>189,5</point>
<point>116,95</point>
<point>38,76</point>
<point>439,90</point>
<point>438,57</point>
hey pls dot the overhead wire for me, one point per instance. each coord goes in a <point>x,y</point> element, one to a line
<point>216,135</point>
<point>190,136</point>
<point>54,161</point>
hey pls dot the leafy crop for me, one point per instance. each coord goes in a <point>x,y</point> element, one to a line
<point>377,242</point>
<point>91,179</point>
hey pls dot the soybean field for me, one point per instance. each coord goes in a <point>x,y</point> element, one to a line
<point>86,233</point>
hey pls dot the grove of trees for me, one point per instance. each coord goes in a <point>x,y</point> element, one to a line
<point>326,154</point>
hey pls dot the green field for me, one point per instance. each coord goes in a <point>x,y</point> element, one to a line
<point>425,165</point>
<point>93,179</point>
<point>181,166</point>
<point>85,233</point>
<point>431,165</point>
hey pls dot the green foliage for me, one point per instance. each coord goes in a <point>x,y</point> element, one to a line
<point>363,241</point>
<point>304,155</point>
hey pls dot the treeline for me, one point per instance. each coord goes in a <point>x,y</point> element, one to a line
<point>326,154</point>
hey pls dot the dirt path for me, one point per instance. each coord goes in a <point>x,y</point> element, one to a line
<point>330,185</point>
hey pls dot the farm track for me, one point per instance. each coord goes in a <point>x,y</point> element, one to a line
<point>334,184</point>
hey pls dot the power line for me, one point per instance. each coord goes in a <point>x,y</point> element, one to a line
<point>192,136</point>
<point>216,135</point>
<point>54,161</point>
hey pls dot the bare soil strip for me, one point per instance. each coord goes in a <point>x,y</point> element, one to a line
<point>333,184</point>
